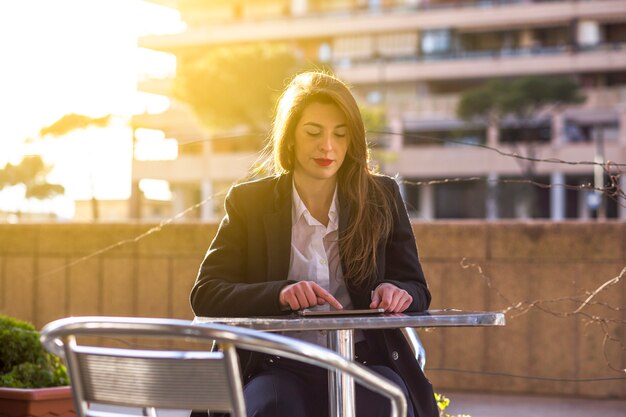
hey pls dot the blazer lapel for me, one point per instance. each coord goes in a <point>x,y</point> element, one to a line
<point>344,213</point>
<point>278,231</point>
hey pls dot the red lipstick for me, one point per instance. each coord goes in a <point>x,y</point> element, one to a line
<point>323,161</point>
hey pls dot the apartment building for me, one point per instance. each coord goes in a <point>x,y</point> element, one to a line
<point>414,59</point>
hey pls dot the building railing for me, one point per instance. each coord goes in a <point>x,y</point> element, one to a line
<point>425,6</point>
<point>338,10</point>
<point>485,54</point>
<point>443,106</point>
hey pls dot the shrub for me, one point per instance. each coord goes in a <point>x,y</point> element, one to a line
<point>24,363</point>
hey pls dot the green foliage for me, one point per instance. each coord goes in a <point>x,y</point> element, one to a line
<point>443,403</point>
<point>374,118</point>
<point>43,191</point>
<point>519,97</point>
<point>71,122</point>
<point>482,101</point>
<point>24,363</point>
<point>32,173</point>
<point>235,85</point>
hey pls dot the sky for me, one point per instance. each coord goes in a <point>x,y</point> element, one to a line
<point>74,56</point>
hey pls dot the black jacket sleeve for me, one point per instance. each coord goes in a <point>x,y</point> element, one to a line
<point>224,286</point>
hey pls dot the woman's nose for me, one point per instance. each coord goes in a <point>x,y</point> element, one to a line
<point>326,142</point>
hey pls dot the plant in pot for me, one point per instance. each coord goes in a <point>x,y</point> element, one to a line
<point>32,381</point>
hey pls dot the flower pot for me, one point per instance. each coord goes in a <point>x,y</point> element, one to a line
<point>37,402</point>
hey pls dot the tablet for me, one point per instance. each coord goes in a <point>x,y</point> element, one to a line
<point>312,313</point>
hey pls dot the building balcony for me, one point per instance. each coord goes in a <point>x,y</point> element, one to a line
<point>196,168</point>
<point>503,63</point>
<point>442,107</point>
<point>167,3</point>
<point>154,85</point>
<point>178,123</point>
<point>318,25</point>
<point>407,106</point>
<point>465,161</point>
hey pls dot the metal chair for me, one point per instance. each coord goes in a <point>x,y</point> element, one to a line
<point>176,379</point>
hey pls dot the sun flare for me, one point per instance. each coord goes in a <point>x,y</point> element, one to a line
<point>76,56</point>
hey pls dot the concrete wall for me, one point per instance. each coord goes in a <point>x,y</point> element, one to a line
<point>527,263</point>
<point>48,271</point>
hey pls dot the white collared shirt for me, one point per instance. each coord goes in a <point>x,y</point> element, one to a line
<point>315,257</point>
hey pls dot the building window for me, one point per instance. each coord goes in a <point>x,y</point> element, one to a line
<point>353,47</point>
<point>325,52</point>
<point>589,33</point>
<point>152,145</point>
<point>412,198</point>
<point>581,132</point>
<point>615,33</point>
<point>532,132</point>
<point>460,200</point>
<point>436,41</point>
<point>522,199</point>
<point>397,44</point>
<point>552,37</point>
<point>446,137</point>
<point>577,201</point>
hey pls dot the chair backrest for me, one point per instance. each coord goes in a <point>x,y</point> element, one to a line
<point>180,379</point>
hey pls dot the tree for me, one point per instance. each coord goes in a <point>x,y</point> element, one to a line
<point>235,85</point>
<point>522,102</point>
<point>72,122</point>
<point>522,98</point>
<point>32,174</point>
<point>375,120</point>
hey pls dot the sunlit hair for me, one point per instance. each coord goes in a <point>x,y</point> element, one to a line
<point>370,203</point>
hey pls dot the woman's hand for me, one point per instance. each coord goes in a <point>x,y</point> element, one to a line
<point>391,298</point>
<point>305,294</point>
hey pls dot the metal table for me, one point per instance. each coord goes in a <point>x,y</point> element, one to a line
<point>340,336</point>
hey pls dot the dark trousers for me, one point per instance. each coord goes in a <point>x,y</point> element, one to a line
<point>286,388</point>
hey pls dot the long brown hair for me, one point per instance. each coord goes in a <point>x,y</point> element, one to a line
<point>371,204</point>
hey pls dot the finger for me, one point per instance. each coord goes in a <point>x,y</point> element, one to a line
<point>310,295</point>
<point>375,299</point>
<point>292,301</point>
<point>386,300</point>
<point>322,293</point>
<point>409,301</point>
<point>396,298</point>
<point>320,301</point>
<point>406,304</point>
<point>302,299</point>
<point>404,301</point>
<point>286,298</point>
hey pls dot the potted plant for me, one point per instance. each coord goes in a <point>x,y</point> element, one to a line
<point>32,381</point>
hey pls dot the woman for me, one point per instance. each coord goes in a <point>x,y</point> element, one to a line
<point>323,232</point>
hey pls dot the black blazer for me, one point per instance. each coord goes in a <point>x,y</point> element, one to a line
<point>247,265</point>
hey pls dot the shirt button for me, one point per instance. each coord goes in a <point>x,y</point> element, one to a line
<point>395,355</point>
<point>323,261</point>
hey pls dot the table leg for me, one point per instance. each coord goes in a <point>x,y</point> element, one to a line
<point>341,387</point>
